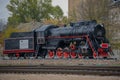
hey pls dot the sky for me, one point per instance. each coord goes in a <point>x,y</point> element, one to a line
<point>63,4</point>
<point>4,13</point>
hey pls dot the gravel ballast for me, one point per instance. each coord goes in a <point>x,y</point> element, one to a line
<point>54,77</point>
<point>60,62</point>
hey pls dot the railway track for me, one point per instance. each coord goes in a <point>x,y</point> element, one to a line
<point>83,70</point>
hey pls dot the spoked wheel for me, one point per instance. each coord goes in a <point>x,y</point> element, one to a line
<point>44,53</point>
<point>80,56</point>
<point>73,54</point>
<point>51,54</point>
<point>17,55</point>
<point>36,56</point>
<point>11,56</point>
<point>66,53</point>
<point>26,56</point>
<point>41,54</point>
<point>59,53</point>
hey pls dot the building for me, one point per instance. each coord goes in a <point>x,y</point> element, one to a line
<point>73,6</point>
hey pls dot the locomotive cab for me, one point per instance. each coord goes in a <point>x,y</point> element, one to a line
<point>42,34</point>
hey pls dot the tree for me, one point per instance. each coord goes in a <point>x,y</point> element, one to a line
<point>8,31</point>
<point>28,10</point>
<point>2,25</point>
<point>57,13</point>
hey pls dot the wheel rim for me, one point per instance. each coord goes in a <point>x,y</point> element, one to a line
<point>73,55</point>
<point>80,56</point>
<point>51,54</point>
<point>66,53</point>
<point>59,53</point>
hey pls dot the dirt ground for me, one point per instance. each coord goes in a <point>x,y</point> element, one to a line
<point>54,77</point>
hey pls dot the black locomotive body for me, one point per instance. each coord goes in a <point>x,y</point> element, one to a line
<point>79,40</point>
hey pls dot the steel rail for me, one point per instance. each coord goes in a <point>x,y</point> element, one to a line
<point>84,70</point>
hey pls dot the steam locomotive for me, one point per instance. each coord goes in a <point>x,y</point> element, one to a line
<point>84,39</point>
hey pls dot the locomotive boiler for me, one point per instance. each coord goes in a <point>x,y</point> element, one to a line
<point>84,39</point>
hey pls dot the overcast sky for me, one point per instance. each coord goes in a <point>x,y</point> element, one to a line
<point>4,14</point>
<point>63,4</point>
<point>3,10</point>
